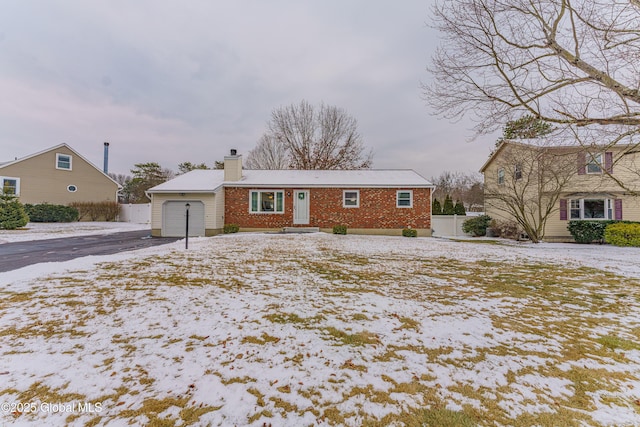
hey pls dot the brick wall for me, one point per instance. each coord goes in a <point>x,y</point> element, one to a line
<point>377,209</point>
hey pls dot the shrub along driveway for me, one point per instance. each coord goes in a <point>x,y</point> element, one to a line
<point>319,329</point>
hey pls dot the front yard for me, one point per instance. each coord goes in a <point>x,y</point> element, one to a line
<point>295,330</point>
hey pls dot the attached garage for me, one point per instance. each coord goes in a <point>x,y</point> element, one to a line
<point>174,218</point>
<point>202,190</point>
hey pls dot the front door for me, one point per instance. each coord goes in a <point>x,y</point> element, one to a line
<point>301,207</point>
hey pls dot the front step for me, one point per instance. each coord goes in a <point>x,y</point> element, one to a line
<point>301,229</point>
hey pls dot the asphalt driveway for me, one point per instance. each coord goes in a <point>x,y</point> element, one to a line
<point>21,254</point>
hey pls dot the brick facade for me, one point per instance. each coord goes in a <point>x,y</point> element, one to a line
<point>377,209</point>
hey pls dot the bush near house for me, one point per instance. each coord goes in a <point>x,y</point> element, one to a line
<point>477,226</point>
<point>45,212</point>
<point>95,211</point>
<point>230,228</point>
<point>623,234</point>
<point>12,213</point>
<point>588,231</point>
<point>410,232</point>
<point>505,229</point>
<point>585,231</point>
<point>339,229</point>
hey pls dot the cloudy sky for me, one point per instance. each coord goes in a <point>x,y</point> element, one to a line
<point>169,81</point>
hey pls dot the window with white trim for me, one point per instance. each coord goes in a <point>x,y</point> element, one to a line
<point>404,199</point>
<point>63,161</point>
<point>594,163</point>
<point>501,176</point>
<point>266,201</point>
<point>591,209</point>
<point>10,185</point>
<point>351,199</point>
<point>72,188</point>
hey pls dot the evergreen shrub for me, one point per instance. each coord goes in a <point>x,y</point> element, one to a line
<point>623,234</point>
<point>584,231</point>
<point>230,228</point>
<point>410,232</point>
<point>45,212</point>
<point>12,213</point>
<point>339,229</point>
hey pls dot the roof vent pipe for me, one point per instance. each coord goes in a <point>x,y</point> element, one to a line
<point>105,168</point>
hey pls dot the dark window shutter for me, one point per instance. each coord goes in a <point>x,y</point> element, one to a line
<point>563,209</point>
<point>582,163</point>
<point>617,206</point>
<point>608,162</point>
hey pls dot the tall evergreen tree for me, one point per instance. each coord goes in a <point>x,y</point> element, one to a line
<point>448,208</point>
<point>12,213</point>
<point>458,209</point>
<point>436,207</point>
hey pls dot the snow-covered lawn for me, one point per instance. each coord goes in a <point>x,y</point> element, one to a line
<point>299,330</point>
<point>40,231</point>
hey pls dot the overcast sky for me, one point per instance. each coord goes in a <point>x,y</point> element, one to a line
<point>167,81</point>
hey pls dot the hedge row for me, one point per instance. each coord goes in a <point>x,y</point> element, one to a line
<point>621,234</point>
<point>51,213</point>
<point>107,211</point>
<point>589,231</point>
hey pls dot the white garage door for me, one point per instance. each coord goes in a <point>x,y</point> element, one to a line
<point>174,217</point>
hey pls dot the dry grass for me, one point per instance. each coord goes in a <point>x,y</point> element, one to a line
<point>332,336</point>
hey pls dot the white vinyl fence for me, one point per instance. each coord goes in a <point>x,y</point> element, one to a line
<point>138,213</point>
<point>450,225</point>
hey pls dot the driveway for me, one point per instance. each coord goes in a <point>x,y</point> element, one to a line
<point>20,254</point>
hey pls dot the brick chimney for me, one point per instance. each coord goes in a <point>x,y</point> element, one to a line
<point>233,166</point>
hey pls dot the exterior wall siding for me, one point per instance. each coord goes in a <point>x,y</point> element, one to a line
<point>41,182</point>
<point>377,209</point>
<point>557,228</point>
<point>212,224</point>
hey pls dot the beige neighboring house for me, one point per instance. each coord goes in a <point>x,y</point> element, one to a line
<point>58,175</point>
<point>588,182</point>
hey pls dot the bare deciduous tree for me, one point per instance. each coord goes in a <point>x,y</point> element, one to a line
<point>322,138</point>
<point>269,153</point>
<point>573,64</point>
<point>525,182</point>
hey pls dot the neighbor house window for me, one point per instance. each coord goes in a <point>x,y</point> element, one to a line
<point>404,199</point>
<point>501,176</point>
<point>594,163</point>
<point>63,161</point>
<point>351,198</point>
<point>268,201</point>
<point>591,209</point>
<point>72,188</point>
<point>575,209</point>
<point>10,186</point>
<point>517,171</point>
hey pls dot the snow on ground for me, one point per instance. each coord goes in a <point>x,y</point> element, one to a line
<point>40,231</point>
<point>319,329</point>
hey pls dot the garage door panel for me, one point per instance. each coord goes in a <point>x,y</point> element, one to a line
<point>174,218</point>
